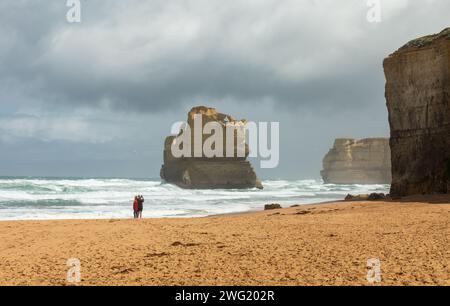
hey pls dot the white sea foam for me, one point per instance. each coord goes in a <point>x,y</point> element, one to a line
<point>34,198</point>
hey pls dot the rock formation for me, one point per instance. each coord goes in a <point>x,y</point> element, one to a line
<point>272,206</point>
<point>418,101</point>
<point>366,197</point>
<point>365,161</point>
<point>203,172</point>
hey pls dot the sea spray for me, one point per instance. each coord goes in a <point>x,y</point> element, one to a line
<point>69,198</point>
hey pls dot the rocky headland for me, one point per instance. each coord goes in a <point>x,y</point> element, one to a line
<point>418,101</point>
<point>351,161</point>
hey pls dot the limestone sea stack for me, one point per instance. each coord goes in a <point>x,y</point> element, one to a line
<point>351,161</point>
<point>418,101</point>
<point>209,172</point>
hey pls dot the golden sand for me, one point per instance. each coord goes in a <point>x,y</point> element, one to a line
<point>326,244</point>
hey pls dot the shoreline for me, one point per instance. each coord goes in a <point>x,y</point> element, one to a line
<point>174,218</point>
<point>35,199</point>
<point>313,244</point>
<point>423,199</point>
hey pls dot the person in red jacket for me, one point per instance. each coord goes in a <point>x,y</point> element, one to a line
<point>136,207</point>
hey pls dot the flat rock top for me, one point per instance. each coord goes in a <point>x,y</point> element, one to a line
<point>425,41</point>
<point>347,142</point>
<point>211,114</point>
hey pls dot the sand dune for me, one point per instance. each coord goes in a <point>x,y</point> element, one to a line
<point>326,244</point>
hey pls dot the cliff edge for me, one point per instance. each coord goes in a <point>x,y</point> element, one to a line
<point>418,101</point>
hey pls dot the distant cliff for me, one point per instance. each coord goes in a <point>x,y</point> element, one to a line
<point>418,101</point>
<point>208,173</point>
<point>352,161</point>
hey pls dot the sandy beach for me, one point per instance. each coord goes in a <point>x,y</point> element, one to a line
<point>327,244</point>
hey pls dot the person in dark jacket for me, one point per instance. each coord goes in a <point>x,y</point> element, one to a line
<point>141,201</point>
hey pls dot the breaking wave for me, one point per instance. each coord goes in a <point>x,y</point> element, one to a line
<point>69,198</point>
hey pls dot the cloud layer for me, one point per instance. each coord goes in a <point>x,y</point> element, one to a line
<point>154,55</point>
<point>135,61</point>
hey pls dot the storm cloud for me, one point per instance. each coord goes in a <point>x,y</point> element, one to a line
<point>130,62</point>
<point>151,55</point>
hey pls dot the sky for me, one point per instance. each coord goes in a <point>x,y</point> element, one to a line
<point>98,97</point>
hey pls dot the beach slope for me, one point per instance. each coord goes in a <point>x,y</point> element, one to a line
<point>326,244</point>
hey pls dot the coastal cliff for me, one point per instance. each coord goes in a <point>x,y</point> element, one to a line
<point>353,161</point>
<point>209,172</point>
<point>417,94</point>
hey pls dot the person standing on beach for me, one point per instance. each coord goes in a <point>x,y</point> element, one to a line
<point>136,207</point>
<point>141,201</point>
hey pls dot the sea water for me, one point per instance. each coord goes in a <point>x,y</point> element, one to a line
<point>89,198</point>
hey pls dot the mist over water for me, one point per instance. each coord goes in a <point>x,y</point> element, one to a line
<point>44,198</point>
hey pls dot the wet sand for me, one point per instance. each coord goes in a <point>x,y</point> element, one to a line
<point>327,244</point>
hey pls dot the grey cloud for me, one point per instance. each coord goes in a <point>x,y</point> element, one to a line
<point>131,68</point>
<point>155,55</point>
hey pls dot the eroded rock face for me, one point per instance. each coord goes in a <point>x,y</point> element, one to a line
<point>209,173</point>
<point>353,161</point>
<point>417,94</point>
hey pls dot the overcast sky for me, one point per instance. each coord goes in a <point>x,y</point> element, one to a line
<point>97,98</point>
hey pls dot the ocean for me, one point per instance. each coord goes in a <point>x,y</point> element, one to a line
<point>93,198</point>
